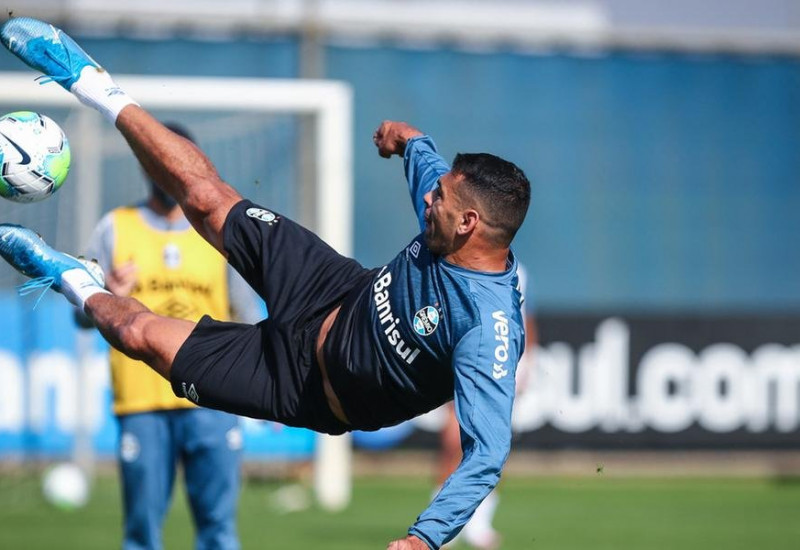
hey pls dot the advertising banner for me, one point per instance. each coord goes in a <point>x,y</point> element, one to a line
<point>656,382</point>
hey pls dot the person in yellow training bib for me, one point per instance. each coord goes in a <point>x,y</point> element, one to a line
<point>150,252</point>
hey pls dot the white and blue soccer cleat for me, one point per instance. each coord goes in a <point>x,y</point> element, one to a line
<point>47,49</point>
<point>31,256</point>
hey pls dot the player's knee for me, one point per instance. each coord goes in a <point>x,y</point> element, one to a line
<point>133,335</point>
<point>207,198</point>
<point>207,207</point>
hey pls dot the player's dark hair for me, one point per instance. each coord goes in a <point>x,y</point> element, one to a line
<point>500,188</point>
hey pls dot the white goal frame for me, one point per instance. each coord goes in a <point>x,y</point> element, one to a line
<point>331,105</point>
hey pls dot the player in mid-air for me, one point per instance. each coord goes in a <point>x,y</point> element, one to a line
<point>344,347</point>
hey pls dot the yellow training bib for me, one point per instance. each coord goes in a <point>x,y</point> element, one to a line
<point>178,275</point>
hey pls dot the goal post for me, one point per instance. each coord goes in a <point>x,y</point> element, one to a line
<point>329,103</point>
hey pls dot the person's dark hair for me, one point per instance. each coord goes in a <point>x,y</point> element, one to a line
<point>500,188</point>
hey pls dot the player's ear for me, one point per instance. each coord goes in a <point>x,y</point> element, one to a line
<point>469,220</point>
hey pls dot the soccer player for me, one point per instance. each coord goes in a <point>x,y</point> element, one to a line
<point>344,347</point>
<point>150,252</point>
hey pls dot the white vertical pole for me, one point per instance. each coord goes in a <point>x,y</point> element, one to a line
<point>86,147</point>
<point>333,461</point>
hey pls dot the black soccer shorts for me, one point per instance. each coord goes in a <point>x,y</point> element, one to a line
<point>269,370</point>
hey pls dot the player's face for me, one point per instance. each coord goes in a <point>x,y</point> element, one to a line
<point>442,215</point>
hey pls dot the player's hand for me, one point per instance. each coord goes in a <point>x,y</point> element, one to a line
<point>390,138</point>
<point>122,279</point>
<point>409,543</point>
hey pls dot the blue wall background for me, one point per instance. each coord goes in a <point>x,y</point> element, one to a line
<point>662,181</point>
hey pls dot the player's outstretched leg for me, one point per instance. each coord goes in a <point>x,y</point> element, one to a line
<point>30,255</point>
<point>124,322</point>
<point>181,169</point>
<point>174,163</point>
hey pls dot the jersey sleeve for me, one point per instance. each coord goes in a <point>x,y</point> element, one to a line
<point>484,363</point>
<point>423,167</point>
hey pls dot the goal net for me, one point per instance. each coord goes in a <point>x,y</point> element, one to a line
<point>254,131</point>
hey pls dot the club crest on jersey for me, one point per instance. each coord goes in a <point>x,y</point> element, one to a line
<point>263,215</point>
<point>426,320</point>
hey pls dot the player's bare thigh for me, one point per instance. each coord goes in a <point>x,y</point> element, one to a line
<point>164,336</point>
<point>181,169</point>
<point>138,332</point>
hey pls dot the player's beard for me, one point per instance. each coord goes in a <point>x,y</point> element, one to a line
<point>435,242</point>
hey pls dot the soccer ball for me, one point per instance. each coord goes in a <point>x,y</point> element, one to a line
<point>65,486</point>
<point>34,156</point>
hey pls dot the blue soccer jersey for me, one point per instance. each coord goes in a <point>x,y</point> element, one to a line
<point>422,332</point>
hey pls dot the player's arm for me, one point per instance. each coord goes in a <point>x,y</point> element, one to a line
<point>120,278</point>
<point>423,165</point>
<point>484,394</point>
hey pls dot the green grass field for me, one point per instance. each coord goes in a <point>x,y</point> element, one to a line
<point>535,513</point>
